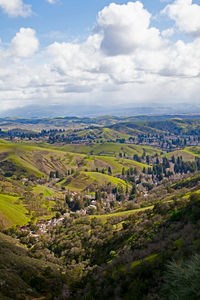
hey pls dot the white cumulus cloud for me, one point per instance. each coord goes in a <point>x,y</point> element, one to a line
<point>186,15</point>
<point>126,27</point>
<point>15,8</point>
<point>25,43</point>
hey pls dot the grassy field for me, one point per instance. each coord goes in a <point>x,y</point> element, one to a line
<point>12,212</point>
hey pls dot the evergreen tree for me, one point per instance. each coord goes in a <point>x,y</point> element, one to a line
<point>123,171</point>
<point>109,171</point>
<point>52,174</point>
<point>133,192</point>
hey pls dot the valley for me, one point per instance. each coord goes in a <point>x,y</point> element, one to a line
<point>99,210</point>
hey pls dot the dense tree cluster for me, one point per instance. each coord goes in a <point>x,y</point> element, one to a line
<point>123,255</point>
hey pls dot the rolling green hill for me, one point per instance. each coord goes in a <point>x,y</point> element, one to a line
<point>29,160</point>
<point>22,160</point>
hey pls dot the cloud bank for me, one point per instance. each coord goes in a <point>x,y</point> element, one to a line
<point>124,61</point>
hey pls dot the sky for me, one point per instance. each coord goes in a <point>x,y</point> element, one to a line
<point>89,57</point>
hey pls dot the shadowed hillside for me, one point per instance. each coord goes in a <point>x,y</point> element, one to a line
<point>23,277</point>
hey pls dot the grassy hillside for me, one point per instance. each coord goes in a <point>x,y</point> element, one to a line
<point>19,202</point>
<point>176,126</point>
<point>12,212</point>
<point>117,164</point>
<point>111,149</point>
<point>84,180</point>
<point>188,153</point>
<point>17,159</point>
<point>122,213</point>
<point>133,128</point>
<point>23,160</point>
<point>29,160</point>
<point>102,134</point>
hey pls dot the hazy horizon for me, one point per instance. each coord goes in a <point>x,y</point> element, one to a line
<point>34,111</point>
<point>37,112</point>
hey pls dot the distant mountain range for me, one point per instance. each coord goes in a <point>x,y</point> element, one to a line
<point>87,110</point>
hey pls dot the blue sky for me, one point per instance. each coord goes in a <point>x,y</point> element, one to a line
<point>106,54</point>
<point>71,18</point>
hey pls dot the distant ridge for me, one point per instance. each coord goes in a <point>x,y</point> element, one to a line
<point>86,110</point>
